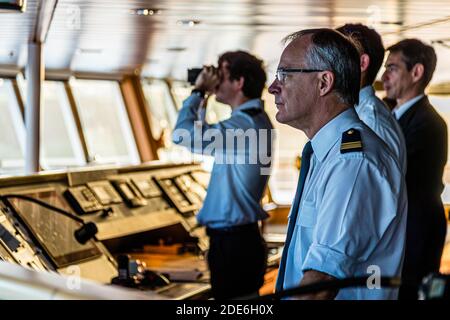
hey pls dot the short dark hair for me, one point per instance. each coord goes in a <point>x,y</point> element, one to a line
<point>243,64</point>
<point>331,50</point>
<point>415,51</point>
<point>370,43</point>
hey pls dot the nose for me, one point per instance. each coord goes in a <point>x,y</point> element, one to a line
<point>274,88</point>
<point>384,76</point>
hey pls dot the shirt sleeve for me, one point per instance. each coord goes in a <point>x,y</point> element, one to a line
<point>193,132</point>
<point>359,204</point>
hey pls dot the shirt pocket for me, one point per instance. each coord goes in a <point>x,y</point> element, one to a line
<point>307,216</point>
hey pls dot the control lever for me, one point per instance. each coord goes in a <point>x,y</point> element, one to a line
<point>133,274</point>
<point>107,212</point>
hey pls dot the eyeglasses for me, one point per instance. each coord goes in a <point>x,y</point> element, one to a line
<point>282,73</point>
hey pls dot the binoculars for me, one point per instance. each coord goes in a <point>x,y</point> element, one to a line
<point>193,74</point>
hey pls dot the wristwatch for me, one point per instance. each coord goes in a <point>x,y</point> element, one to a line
<point>198,92</point>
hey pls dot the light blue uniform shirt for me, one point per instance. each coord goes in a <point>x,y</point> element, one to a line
<point>374,113</point>
<point>237,181</point>
<point>352,213</point>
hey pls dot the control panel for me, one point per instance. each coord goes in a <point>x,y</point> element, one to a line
<point>83,200</point>
<point>133,208</point>
<point>186,194</point>
<point>131,195</point>
<point>176,196</point>
<point>53,232</point>
<point>146,187</point>
<point>104,192</point>
<point>15,243</point>
<point>194,192</point>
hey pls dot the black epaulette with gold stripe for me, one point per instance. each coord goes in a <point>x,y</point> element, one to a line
<point>351,141</point>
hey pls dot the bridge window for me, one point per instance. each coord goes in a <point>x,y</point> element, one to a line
<point>161,106</point>
<point>12,131</point>
<point>441,104</point>
<point>60,146</point>
<point>104,121</point>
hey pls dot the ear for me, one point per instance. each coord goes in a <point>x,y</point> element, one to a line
<point>239,84</point>
<point>326,82</point>
<point>364,62</point>
<point>417,72</point>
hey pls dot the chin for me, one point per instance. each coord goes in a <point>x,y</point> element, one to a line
<point>280,118</point>
<point>390,95</point>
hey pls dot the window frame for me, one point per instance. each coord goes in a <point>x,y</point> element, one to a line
<point>133,156</point>
<point>18,124</point>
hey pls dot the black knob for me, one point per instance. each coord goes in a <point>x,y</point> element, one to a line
<point>86,232</point>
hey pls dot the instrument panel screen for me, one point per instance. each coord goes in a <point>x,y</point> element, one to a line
<point>147,187</point>
<point>105,192</point>
<point>54,231</point>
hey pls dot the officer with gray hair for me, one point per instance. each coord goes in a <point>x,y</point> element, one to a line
<point>349,211</point>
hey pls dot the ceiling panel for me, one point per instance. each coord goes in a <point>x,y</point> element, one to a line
<point>16,29</point>
<point>103,36</point>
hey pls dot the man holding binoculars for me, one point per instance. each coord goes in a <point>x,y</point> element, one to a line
<point>231,211</point>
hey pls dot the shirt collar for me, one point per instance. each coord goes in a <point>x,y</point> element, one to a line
<point>250,104</point>
<point>400,110</point>
<point>327,136</point>
<point>366,92</point>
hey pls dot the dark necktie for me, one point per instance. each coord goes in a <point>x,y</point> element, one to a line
<point>306,158</point>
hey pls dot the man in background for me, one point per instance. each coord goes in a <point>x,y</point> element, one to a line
<point>409,69</point>
<point>371,110</point>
